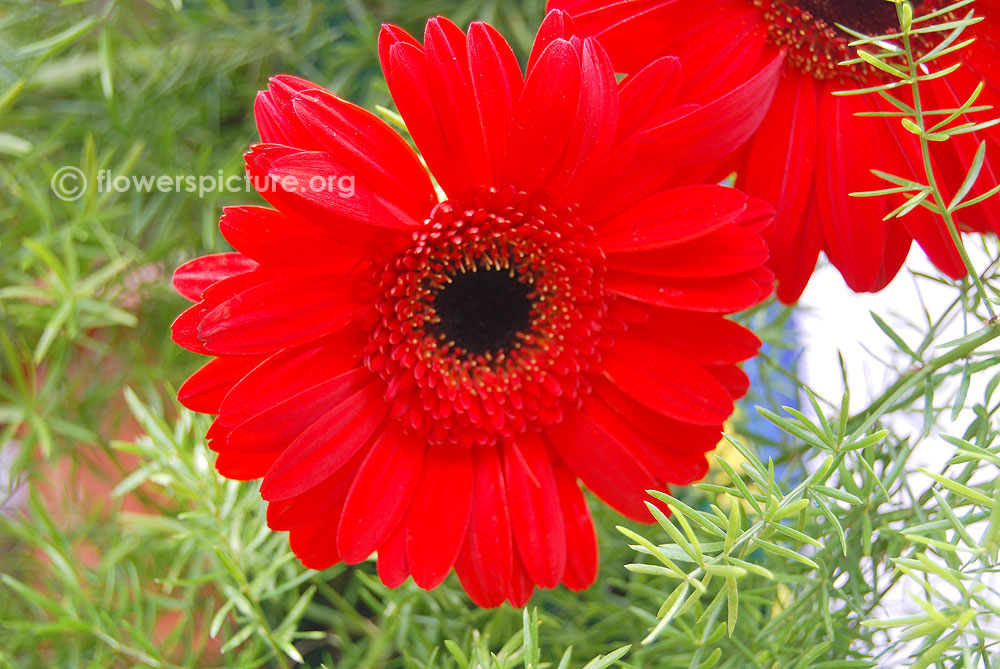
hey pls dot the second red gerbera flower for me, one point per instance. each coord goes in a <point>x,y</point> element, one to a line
<point>429,379</point>
<point>812,149</point>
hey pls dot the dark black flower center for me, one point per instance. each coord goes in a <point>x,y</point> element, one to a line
<point>483,311</point>
<point>871,17</point>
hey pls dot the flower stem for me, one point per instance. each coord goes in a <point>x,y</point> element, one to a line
<point>946,213</point>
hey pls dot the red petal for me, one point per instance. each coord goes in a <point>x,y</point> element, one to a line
<point>636,32</point>
<point>696,336</point>
<point>779,169</point>
<point>390,35</point>
<point>497,84</point>
<point>719,295</point>
<point>485,563</point>
<point>556,25</point>
<point>666,382</point>
<point>647,94</point>
<point>205,389</point>
<point>216,435</point>
<point>653,424</point>
<point>370,148</point>
<point>274,240</point>
<point>380,494</point>
<point>521,585</point>
<point>596,121</point>
<point>314,544</point>
<point>275,115</point>
<point>535,512</point>
<point>666,458</point>
<point>950,161</point>
<point>452,96</point>
<point>184,329</point>
<point>280,424</point>
<point>732,378</point>
<point>439,514</point>
<point>581,540</point>
<point>724,50</point>
<point>244,466</point>
<point>758,216</point>
<point>626,177</point>
<point>222,290</point>
<point>392,566</point>
<point>405,67</point>
<point>855,235</point>
<point>291,371</point>
<point>326,445</point>
<point>544,117</point>
<point>319,189</point>
<point>280,313</point>
<point>718,128</point>
<point>672,217</point>
<point>194,276</point>
<point>603,464</point>
<point>729,250</point>
<point>270,124</point>
<point>287,514</point>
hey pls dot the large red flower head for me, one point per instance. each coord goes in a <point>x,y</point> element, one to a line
<point>428,375</point>
<point>812,149</point>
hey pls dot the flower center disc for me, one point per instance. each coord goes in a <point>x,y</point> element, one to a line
<point>488,322</point>
<point>815,45</point>
<point>872,17</point>
<point>483,310</point>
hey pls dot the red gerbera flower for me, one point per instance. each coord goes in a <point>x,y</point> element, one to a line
<point>428,379</point>
<point>812,149</point>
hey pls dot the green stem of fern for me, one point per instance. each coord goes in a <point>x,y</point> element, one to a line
<point>946,214</point>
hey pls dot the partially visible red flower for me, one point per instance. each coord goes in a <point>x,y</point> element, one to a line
<point>812,149</point>
<point>429,379</point>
